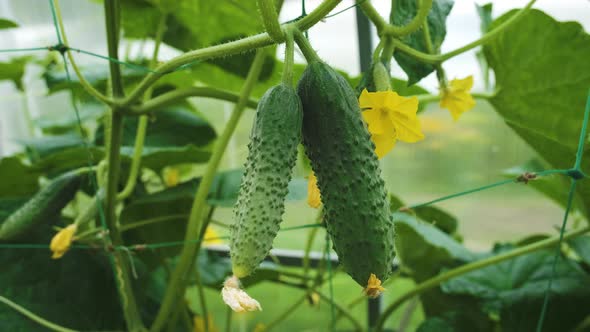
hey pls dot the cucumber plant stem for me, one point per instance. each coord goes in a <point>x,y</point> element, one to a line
<point>190,250</point>
<point>121,265</point>
<point>226,49</point>
<point>176,95</point>
<point>305,47</point>
<point>463,269</point>
<point>287,77</point>
<point>32,316</point>
<point>270,19</point>
<point>433,59</point>
<point>143,120</point>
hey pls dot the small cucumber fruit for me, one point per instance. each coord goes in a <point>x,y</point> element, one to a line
<point>342,156</point>
<point>46,203</point>
<point>271,157</point>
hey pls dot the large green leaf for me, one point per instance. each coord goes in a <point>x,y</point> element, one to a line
<point>7,24</point>
<point>581,245</point>
<point>485,16</point>
<point>176,135</point>
<point>402,12</point>
<point>542,75</point>
<point>14,70</point>
<point>173,126</point>
<point>515,290</point>
<point>425,249</point>
<point>196,24</point>
<point>17,178</point>
<point>76,291</point>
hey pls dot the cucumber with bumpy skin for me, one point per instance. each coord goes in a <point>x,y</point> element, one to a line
<point>46,203</point>
<point>272,155</point>
<point>342,156</point>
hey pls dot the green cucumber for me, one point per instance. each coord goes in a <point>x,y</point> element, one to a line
<point>46,203</point>
<point>261,201</point>
<point>342,156</point>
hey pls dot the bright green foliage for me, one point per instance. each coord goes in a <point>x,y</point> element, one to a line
<point>485,15</point>
<point>7,24</point>
<point>542,97</point>
<point>44,205</point>
<point>515,290</point>
<point>438,217</point>
<point>403,12</point>
<point>14,70</point>
<point>23,179</point>
<point>77,291</point>
<point>216,24</point>
<point>272,155</point>
<point>349,177</point>
<point>581,245</point>
<point>424,249</point>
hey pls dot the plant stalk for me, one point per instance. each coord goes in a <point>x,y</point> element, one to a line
<point>174,96</point>
<point>226,49</point>
<point>270,19</point>
<point>130,309</point>
<point>32,316</point>
<point>190,250</point>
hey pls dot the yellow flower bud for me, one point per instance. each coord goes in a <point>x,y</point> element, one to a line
<point>60,243</point>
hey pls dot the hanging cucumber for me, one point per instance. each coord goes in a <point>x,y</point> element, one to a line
<point>272,155</point>
<point>349,177</point>
<point>46,203</point>
<point>271,158</point>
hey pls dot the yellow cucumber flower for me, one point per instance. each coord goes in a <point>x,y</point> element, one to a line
<point>313,192</point>
<point>211,236</point>
<point>456,97</point>
<point>60,243</point>
<point>171,177</point>
<point>390,117</point>
<point>374,287</point>
<point>199,324</point>
<point>236,298</point>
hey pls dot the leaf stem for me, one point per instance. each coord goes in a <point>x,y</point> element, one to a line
<point>145,222</point>
<point>270,19</point>
<point>287,77</point>
<point>121,265</point>
<point>374,16</point>
<point>308,52</point>
<point>415,24</point>
<point>143,120</point>
<point>37,319</point>
<point>437,280</point>
<point>83,82</point>
<point>226,49</point>
<point>174,96</point>
<point>433,59</point>
<point>190,249</point>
